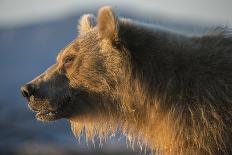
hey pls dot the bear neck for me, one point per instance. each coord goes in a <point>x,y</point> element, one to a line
<point>153,51</point>
<point>160,94</point>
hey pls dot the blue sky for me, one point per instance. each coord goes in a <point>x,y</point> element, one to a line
<point>23,12</point>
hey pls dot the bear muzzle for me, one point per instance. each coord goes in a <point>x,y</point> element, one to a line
<point>44,109</point>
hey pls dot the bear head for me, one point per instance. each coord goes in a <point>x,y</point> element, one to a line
<point>85,74</point>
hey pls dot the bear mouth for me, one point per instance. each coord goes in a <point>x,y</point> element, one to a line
<point>65,108</point>
<point>48,114</point>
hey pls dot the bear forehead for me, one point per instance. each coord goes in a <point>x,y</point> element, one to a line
<point>87,40</point>
<point>69,49</point>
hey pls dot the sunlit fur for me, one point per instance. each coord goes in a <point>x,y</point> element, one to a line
<point>171,92</point>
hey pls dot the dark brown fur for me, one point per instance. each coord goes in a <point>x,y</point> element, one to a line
<point>172,92</point>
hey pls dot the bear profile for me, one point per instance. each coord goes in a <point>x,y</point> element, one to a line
<point>170,91</point>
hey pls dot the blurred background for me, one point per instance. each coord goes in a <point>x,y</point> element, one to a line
<point>31,34</point>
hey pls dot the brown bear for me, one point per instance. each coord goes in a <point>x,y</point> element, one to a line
<point>171,91</point>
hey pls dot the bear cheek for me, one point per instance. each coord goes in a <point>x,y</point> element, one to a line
<point>68,68</point>
<point>71,74</point>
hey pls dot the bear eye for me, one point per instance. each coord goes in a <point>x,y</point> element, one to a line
<point>69,59</point>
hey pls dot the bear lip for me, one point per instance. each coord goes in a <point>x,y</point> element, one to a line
<point>46,112</point>
<point>33,108</point>
<point>48,115</point>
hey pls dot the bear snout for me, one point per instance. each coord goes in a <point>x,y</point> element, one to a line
<point>27,90</point>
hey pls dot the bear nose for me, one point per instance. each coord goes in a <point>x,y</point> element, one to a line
<point>27,90</point>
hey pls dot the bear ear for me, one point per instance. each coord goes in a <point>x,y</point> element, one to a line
<point>107,23</point>
<point>86,23</point>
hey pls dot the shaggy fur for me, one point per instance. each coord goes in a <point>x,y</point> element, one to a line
<point>169,91</point>
<point>174,92</point>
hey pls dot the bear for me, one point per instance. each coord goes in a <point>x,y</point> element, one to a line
<point>170,91</point>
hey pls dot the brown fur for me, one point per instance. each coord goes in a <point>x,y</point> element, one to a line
<point>169,91</point>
